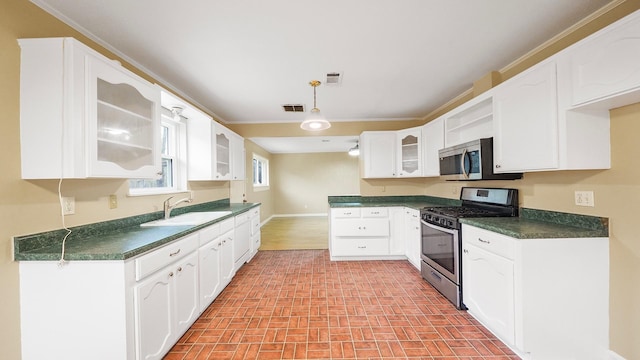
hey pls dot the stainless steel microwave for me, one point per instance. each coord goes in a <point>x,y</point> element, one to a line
<point>471,161</point>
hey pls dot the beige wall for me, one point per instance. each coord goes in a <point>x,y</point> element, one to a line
<point>265,197</point>
<point>302,182</point>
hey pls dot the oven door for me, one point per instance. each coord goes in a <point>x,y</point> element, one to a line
<point>440,249</point>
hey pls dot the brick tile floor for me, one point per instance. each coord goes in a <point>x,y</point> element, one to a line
<point>297,304</point>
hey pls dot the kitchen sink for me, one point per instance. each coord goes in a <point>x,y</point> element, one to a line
<point>192,218</point>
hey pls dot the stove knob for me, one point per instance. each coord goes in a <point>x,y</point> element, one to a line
<point>450,223</point>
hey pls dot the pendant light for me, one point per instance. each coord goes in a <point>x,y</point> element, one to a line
<point>315,121</point>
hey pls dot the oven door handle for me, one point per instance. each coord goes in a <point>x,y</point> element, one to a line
<point>435,227</point>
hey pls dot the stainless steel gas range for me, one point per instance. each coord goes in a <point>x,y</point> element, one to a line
<point>441,246</point>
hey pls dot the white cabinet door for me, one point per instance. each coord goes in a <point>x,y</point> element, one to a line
<point>526,121</point>
<point>123,123</point>
<point>409,152</point>
<point>397,231</point>
<point>186,293</point>
<point>227,269</point>
<point>607,63</point>
<point>488,290</point>
<point>242,239</point>
<point>433,140</point>
<point>201,156</point>
<point>413,236</point>
<point>378,151</point>
<point>222,141</point>
<point>210,281</point>
<point>154,315</point>
<point>237,157</point>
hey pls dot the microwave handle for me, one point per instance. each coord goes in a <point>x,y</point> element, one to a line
<point>462,158</point>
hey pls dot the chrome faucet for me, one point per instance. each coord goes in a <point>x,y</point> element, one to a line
<point>168,207</point>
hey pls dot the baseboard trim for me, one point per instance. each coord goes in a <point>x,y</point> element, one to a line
<point>300,215</point>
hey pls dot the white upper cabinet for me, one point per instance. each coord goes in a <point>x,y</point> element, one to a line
<point>378,154</point>
<point>607,64</point>
<point>433,141</point>
<point>83,115</point>
<point>213,151</point>
<point>525,118</point>
<point>409,152</point>
<point>390,154</point>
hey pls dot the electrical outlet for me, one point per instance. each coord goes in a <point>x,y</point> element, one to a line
<point>68,205</point>
<point>113,201</point>
<point>584,198</point>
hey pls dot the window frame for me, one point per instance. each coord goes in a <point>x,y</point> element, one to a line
<point>264,185</point>
<point>177,153</point>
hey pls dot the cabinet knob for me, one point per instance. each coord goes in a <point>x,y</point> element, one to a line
<point>484,241</point>
<point>175,253</point>
<point>498,166</point>
<point>171,274</point>
<point>465,251</point>
<point>180,269</point>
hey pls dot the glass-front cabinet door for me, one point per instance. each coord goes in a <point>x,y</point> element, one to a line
<point>123,123</point>
<point>410,152</point>
<point>223,154</point>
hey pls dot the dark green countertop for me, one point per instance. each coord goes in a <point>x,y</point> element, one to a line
<point>414,202</point>
<point>116,239</point>
<point>541,224</point>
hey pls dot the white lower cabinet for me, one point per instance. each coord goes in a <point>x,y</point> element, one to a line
<point>382,233</point>
<point>255,231</point>
<point>412,236</point>
<point>167,301</point>
<point>139,307</point>
<point>242,240</point>
<point>545,298</point>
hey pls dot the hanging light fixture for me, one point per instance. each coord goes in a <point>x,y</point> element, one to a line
<point>354,151</point>
<point>315,121</point>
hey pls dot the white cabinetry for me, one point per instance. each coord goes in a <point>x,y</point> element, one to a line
<point>389,154</point>
<point>167,301</point>
<point>409,152</point>
<point>607,64</point>
<point>255,230</point>
<point>214,152</point>
<point>359,233</point>
<point>526,121</point>
<point>413,236</point>
<point>397,231</point>
<point>488,288</point>
<point>433,141</point>
<point>227,269</point>
<point>83,115</point>
<point>242,239</point>
<point>209,262</point>
<point>545,298</point>
<point>378,154</point>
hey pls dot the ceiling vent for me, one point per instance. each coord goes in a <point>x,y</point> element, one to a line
<point>293,108</point>
<point>334,78</point>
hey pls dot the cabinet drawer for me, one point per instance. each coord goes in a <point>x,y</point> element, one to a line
<point>226,225</point>
<point>242,218</point>
<point>375,212</point>
<point>346,213</point>
<point>360,246</point>
<point>493,242</point>
<point>164,256</point>
<point>255,225</point>
<point>209,233</point>
<point>360,227</point>
<point>255,212</point>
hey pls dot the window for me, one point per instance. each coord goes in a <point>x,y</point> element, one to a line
<point>172,144</point>
<point>260,171</point>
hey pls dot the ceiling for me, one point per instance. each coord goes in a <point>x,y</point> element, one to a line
<point>306,144</point>
<point>242,60</point>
